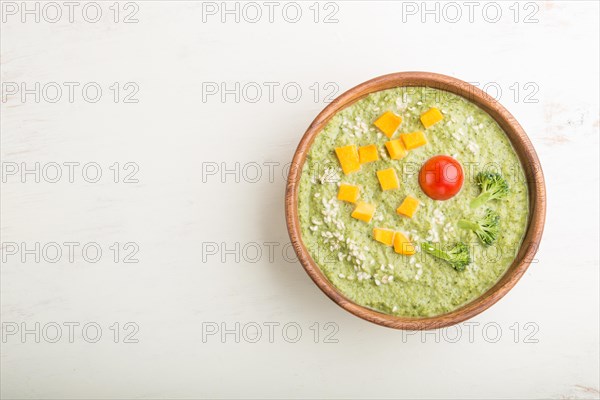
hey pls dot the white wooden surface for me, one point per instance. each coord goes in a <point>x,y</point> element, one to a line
<point>172,294</point>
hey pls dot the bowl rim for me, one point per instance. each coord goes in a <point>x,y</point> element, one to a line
<point>520,142</point>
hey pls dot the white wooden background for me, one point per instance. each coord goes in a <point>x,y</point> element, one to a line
<point>179,217</point>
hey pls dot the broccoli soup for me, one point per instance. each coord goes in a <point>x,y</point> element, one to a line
<point>412,201</point>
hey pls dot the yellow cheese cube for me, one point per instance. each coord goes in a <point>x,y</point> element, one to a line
<point>363,211</point>
<point>348,157</point>
<point>387,123</point>
<point>348,193</point>
<point>402,245</point>
<point>388,179</point>
<point>413,140</point>
<point>368,153</point>
<point>408,206</point>
<point>396,149</point>
<point>385,236</point>
<point>431,116</point>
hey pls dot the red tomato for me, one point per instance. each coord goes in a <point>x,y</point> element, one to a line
<point>441,177</point>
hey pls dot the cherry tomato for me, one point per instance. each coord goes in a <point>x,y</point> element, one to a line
<point>441,177</point>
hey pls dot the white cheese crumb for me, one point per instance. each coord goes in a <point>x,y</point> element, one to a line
<point>473,147</point>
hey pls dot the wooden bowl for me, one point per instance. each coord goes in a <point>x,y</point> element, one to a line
<point>523,148</point>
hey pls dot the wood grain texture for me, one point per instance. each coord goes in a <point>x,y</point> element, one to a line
<point>523,148</point>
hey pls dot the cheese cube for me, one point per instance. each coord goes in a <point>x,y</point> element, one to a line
<point>388,179</point>
<point>402,245</point>
<point>348,157</point>
<point>396,149</point>
<point>387,123</point>
<point>348,193</point>
<point>385,236</point>
<point>408,207</point>
<point>368,153</point>
<point>413,140</point>
<point>363,211</point>
<point>431,116</point>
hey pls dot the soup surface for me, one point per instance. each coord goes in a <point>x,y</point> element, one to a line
<point>384,276</point>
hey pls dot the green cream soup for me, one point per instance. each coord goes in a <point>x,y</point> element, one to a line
<point>373,274</point>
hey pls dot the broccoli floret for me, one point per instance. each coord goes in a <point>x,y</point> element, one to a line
<point>457,255</point>
<point>492,185</point>
<point>486,228</point>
